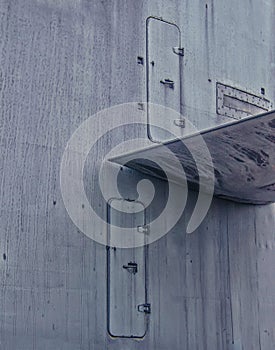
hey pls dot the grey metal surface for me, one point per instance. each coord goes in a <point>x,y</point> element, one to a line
<point>243,155</point>
<point>61,61</point>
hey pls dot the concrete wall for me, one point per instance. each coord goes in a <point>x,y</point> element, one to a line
<point>60,62</point>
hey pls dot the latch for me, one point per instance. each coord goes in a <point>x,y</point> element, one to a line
<point>132,267</point>
<point>146,308</point>
<point>178,51</point>
<point>144,229</point>
<point>168,82</point>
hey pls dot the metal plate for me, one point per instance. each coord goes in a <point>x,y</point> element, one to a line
<point>163,41</point>
<point>237,104</point>
<point>126,277</point>
<point>243,155</point>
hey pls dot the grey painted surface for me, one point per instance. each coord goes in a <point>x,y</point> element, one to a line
<point>60,62</point>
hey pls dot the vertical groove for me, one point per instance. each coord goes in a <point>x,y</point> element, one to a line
<point>229,280</point>
<point>257,282</point>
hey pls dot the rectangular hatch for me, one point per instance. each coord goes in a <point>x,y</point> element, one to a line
<point>126,290</point>
<point>163,61</point>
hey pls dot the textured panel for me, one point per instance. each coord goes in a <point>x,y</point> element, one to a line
<point>243,156</point>
<point>237,104</point>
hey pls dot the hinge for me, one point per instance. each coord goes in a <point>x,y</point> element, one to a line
<point>180,122</point>
<point>146,308</point>
<point>178,51</point>
<point>144,229</point>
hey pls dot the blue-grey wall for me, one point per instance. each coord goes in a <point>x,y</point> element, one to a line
<point>60,62</point>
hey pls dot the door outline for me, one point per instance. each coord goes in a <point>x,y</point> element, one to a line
<point>108,248</point>
<point>149,135</point>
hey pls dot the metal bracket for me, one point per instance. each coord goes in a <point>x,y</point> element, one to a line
<point>132,267</point>
<point>180,123</point>
<point>168,82</point>
<point>144,229</point>
<point>146,308</point>
<point>178,51</point>
<point>140,106</point>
